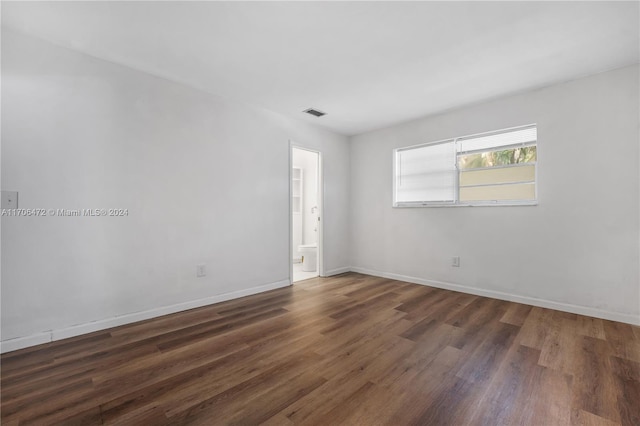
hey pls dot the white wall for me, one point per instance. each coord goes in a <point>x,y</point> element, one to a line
<point>205,180</point>
<point>577,250</point>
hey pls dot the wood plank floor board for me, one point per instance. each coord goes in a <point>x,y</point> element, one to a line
<point>157,366</point>
<point>278,398</point>
<point>412,293</point>
<point>560,347</point>
<point>360,357</point>
<point>278,420</point>
<point>88,348</point>
<point>313,407</point>
<point>418,308</point>
<point>550,398</point>
<point>345,408</point>
<point>369,291</point>
<point>420,357</point>
<point>627,376</point>
<point>416,296</point>
<point>383,299</point>
<point>346,347</point>
<point>516,314</point>
<point>220,374</point>
<point>444,309</point>
<point>584,418</point>
<point>410,394</point>
<point>479,320</point>
<point>356,331</point>
<point>21,404</point>
<point>484,361</point>
<point>508,389</point>
<point>623,340</point>
<point>189,387</point>
<point>43,355</point>
<point>347,350</point>
<point>58,373</point>
<point>230,402</point>
<point>457,392</point>
<point>232,372</point>
<point>595,387</point>
<point>592,327</point>
<point>536,327</point>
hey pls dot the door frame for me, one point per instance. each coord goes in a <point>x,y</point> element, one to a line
<point>293,145</point>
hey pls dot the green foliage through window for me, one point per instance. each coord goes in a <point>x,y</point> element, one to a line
<point>498,158</point>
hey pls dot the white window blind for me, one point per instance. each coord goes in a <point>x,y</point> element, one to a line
<point>426,173</point>
<point>493,168</point>
<point>523,136</point>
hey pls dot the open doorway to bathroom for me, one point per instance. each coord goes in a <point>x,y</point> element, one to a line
<point>305,214</point>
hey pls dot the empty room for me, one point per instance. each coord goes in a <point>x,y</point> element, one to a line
<point>320,213</point>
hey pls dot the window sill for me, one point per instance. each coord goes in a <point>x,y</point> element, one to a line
<point>427,205</point>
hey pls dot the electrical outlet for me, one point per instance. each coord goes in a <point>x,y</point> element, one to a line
<point>9,199</point>
<point>455,261</point>
<point>201,271</point>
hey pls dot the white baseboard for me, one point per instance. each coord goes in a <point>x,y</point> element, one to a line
<point>76,330</point>
<point>543,303</point>
<point>79,329</point>
<point>336,271</point>
<point>25,342</point>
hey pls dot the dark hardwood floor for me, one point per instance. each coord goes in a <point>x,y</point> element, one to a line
<point>347,350</point>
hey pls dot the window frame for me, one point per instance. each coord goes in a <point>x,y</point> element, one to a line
<point>456,202</point>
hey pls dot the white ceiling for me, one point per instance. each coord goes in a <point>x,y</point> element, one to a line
<point>367,64</point>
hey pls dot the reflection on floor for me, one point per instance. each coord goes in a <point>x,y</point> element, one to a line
<point>299,274</point>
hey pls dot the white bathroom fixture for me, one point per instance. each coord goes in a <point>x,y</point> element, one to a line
<point>309,254</point>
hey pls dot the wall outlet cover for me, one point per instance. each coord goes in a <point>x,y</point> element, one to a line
<point>201,271</point>
<point>9,199</point>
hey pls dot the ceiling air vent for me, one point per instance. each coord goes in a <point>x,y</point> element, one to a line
<point>315,112</point>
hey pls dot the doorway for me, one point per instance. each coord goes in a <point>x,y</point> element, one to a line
<point>305,214</point>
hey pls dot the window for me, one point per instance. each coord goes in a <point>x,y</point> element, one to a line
<point>495,168</point>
